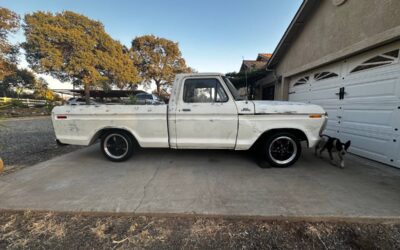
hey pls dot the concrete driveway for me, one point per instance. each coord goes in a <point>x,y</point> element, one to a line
<point>204,182</point>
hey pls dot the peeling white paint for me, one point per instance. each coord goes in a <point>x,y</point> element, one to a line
<point>278,107</point>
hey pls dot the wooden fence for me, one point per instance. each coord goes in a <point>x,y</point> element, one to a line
<point>25,101</point>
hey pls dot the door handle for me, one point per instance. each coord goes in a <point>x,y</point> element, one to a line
<point>186,110</point>
<point>341,93</point>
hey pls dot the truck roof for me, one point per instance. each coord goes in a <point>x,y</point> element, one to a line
<point>200,74</point>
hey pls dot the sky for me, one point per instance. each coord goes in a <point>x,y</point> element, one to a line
<point>214,36</point>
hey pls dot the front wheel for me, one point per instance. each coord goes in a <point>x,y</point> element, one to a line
<point>281,150</point>
<point>117,146</point>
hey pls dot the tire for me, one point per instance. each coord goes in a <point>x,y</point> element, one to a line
<point>117,146</point>
<point>280,150</point>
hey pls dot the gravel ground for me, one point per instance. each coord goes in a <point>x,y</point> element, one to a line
<point>27,141</point>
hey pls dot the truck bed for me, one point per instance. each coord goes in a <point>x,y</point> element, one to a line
<point>81,124</point>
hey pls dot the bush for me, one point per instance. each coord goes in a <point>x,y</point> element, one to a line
<point>132,99</point>
<point>17,104</point>
<point>4,105</point>
<point>49,107</point>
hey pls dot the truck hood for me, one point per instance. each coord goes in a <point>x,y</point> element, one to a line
<point>282,107</point>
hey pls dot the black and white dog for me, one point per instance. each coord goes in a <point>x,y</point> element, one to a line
<point>333,145</point>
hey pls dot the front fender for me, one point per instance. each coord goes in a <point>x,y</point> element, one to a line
<point>252,127</point>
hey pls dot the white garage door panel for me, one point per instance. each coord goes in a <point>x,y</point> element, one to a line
<point>299,96</point>
<point>372,91</point>
<point>359,121</point>
<point>369,113</point>
<point>324,92</point>
<point>360,116</point>
<point>369,137</point>
<point>374,148</point>
<point>324,96</point>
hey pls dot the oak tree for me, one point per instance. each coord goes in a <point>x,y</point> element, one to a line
<point>72,47</point>
<point>21,78</point>
<point>158,60</point>
<point>9,23</point>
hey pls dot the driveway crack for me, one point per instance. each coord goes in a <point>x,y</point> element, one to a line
<point>146,186</point>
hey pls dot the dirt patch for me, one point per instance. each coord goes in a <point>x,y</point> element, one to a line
<point>48,230</point>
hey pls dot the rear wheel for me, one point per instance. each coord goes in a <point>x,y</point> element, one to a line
<point>117,146</point>
<point>280,150</point>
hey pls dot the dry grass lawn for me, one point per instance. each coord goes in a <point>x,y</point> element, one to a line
<point>53,230</point>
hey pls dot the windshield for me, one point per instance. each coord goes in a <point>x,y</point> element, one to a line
<point>232,89</point>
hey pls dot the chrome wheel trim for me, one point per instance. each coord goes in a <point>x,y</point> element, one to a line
<point>290,147</point>
<point>107,150</point>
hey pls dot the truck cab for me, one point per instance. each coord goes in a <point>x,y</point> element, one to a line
<point>203,113</point>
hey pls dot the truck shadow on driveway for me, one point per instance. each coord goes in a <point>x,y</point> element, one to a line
<point>194,157</point>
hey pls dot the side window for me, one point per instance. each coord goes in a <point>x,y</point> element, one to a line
<point>204,90</point>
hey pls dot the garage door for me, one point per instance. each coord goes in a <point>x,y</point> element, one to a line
<point>362,98</point>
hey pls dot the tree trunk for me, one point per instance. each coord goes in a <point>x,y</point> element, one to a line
<point>158,88</point>
<point>87,93</point>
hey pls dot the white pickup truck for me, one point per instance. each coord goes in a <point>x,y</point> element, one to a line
<point>204,112</point>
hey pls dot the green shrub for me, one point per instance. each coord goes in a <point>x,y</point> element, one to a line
<point>17,104</point>
<point>49,107</point>
<point>132,99</point>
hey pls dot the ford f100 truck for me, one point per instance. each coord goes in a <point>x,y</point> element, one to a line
<point>205,111</point>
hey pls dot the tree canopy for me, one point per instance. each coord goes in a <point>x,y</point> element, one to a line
<point>9,23</point>
<point>19,79</point>
<point>72,47</point>
<point>158,59</point>
<point>41,90</point>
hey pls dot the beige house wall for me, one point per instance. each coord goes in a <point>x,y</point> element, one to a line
<point>336,32</point>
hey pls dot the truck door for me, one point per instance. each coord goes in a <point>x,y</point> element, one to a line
<point>206,115</point>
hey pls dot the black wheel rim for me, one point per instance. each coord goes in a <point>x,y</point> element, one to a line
<point>115,146</point>
<point>282,150</point>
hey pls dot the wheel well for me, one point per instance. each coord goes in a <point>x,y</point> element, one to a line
<point>296,132</point>
<point>99,134</point>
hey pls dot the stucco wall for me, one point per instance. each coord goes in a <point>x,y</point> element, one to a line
<point>332,28</point>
